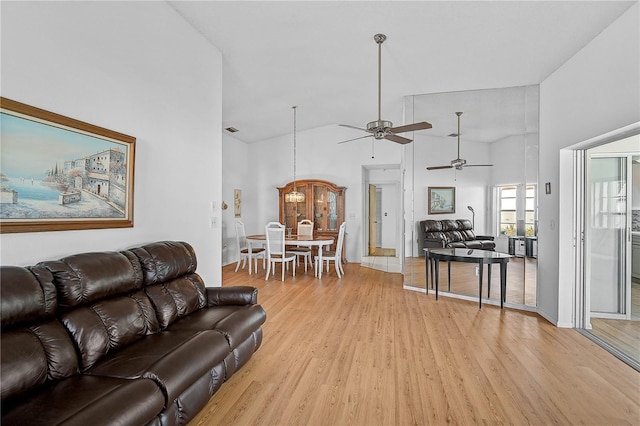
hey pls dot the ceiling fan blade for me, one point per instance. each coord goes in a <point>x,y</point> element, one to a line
<point>355,139</point>
<point>354,127</point>
<point>397,139</point>
<point>478,165</point>
<point>411,127</point>
<point>439,167</point>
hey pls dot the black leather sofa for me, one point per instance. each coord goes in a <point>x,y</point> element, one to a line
<point>127,338</point>
<point>451,233</point>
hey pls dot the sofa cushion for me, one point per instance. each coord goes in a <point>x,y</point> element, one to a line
<point>33,356</point>
<point>109,325</point>
<point>474,244</point>
<point>236,323</point>
<point>177,298</point>
<point>96,401</point>
<point>26,295</point>
<point>488,244</point>
<point>449,225</point>
<point>432,226</point>
<point>173,359</point>
<point>88,277</point>
<point>165,260</point>
<point>34,347</point>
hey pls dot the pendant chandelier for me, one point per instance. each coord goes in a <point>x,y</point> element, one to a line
<point>294,196</point>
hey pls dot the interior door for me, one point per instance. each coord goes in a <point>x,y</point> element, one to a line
<point>608,238</point>
<point>372,219</point>
<point>379,217</point>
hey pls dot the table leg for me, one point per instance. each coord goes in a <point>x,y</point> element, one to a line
<point>436,263</point>
<point>480,268</point>
<point>489,281</point>
<point>426,270</point>
<point>249,248</point>
<point>433,272</point>
<point>503,283</point>
<point>320,266</point>
<point>449,276</point>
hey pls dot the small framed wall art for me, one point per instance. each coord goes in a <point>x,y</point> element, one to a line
<point>442,199</point>
<point>59,174</point>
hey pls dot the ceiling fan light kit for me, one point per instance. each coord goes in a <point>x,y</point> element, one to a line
<point>458,163</point>
<point>383,129</point>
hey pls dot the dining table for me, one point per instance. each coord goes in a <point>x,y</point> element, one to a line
<point>298,240</point>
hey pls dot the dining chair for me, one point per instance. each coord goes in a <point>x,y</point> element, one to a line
<point>305,229</point>
<point>334,256</point>
<point>275,249</point>
<point>243,249</point>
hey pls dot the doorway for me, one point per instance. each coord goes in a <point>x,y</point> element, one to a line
<point>608,294</point>
<point>382,205</point>
<point>382,214</point>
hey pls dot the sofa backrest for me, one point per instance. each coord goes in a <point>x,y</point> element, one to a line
<point>465,226</point>
<point>61,317</point>
<point>432,229</point>
<point>170,280</point>
<point>447,230</point>
<point>102,303</point>
<point>35,348</point>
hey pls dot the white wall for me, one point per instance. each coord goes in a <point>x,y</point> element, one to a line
<point>595,92</point>
<point>137,68</point>
<point>319,156</point>
<point>635,194</point>
<point>237,174</point>
<point>471,183</point>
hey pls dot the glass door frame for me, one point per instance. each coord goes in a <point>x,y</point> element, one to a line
<point>624,249</point>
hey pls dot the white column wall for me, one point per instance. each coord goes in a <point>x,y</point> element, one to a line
<point>157,79</point>
<point>595,92</point>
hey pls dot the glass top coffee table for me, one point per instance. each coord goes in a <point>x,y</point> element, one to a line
<point>481,257</point>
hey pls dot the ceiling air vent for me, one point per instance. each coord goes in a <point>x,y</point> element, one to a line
<point>231,129</point>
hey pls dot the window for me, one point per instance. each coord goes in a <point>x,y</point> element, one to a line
<point>508,208</point>
<point>514,203</point>
<point>530,211</point>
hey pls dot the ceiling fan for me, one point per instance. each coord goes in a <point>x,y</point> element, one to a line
<point>381,129</point>
<point>458,163</point>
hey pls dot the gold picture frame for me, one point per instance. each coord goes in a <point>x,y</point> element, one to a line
<point>60,174</point>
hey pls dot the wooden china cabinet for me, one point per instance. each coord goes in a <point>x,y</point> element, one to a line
<point>323,205</point>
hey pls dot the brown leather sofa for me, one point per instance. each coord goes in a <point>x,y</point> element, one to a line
<point>452,234</point>
<point>127,338</point>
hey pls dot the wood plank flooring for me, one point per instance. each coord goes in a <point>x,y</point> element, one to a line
<point>622,334</point>
<point>362,351</point>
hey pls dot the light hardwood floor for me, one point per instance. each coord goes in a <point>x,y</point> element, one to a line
<point>362,351</point>
<point>622,334</point>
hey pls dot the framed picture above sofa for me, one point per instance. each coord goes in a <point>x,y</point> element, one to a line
<point>60,174</point>
<point>442,199</point>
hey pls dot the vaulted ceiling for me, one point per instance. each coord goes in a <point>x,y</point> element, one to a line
<point>322,57</point>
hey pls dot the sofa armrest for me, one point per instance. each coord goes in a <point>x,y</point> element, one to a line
<point>233,295</point>
<point>484,237</point>
<point>434,243</point>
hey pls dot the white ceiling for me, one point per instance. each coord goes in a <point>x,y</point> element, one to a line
<point>322,57</point>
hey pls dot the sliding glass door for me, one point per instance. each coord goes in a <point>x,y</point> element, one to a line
<point>608,237</point>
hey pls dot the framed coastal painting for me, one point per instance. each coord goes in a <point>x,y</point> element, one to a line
<point>442,199</point>
<point>60,174</point>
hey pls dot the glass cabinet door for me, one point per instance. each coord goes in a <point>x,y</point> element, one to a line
<point>319,208</point>
<point>325,209</point>
<point>295,212</point>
